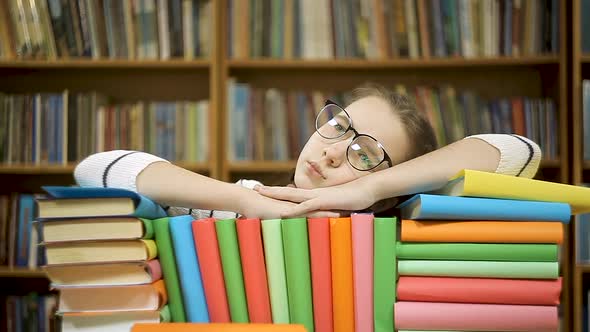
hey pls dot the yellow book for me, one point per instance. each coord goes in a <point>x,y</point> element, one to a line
<point>493,185</point>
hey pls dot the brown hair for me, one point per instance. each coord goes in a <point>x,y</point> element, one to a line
<point>418,129</point>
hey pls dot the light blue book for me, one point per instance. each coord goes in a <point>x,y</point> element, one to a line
<point>438,207</point>
<point>189,272</point>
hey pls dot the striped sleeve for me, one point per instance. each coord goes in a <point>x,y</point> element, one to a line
<point>519,156</point>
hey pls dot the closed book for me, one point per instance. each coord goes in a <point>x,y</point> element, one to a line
<point>189,271</point>
<point>482,231</point>
<point>78,202</point>
<point>384,273</point>
<point>208,254</point>
<point>479,290</point>
<point>254,269</point>
<point>479,269</point>
<point>106,274</point>
<point>121,321</point>
<point>438,207</point>
<point>103,299</point>
<point>275,270</point>
<point>516,252</point>
<point>173,327</point>
<point>111,228</point>
<point>168,262</point>
<point>362,266</point>
<point>297,268</point>
<point>232,269</point>
<point>494,185</point>
<point>475,317</point>
<point>100,252</point>
<point>342,274</point>
<point>321,273</point>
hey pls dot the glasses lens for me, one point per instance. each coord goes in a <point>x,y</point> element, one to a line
<point>365,153</point>
<point>332,122</point>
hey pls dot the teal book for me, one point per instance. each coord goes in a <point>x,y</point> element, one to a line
<point>439,207</point>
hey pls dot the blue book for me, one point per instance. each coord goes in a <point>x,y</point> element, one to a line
<point>438,207</point>
<point>141,206</point>
<point>26,217</point>
<point>189,271</point>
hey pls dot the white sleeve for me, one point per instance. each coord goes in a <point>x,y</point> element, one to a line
<point>519,156</point>
<point>113,169</point>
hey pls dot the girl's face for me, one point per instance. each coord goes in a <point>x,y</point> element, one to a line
<point>323,162</point>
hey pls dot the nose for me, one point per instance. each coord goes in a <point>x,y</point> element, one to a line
<point>335,153</point>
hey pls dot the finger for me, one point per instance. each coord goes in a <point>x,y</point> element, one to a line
<point>302,209</point>
<point>324,214</point>
<point>286,194</point>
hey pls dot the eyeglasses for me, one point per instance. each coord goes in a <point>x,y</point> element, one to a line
<point>364,152</point>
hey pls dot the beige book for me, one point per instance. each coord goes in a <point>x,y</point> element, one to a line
<point>84,207</point>
<point>84,229</point>
<point>100,252</point>
<point>109,274</point>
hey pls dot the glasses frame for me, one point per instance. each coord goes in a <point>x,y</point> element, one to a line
<point>356,135</point>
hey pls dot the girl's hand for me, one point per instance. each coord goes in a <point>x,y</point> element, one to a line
<point>262,207</point>
<point>352,196</point>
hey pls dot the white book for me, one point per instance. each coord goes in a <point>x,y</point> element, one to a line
<point>412,28</point>
<point>187,29</point>
<point>163,33</point>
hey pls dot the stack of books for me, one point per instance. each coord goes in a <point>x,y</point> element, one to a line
<point>102,257</point>
<point>478,263</point>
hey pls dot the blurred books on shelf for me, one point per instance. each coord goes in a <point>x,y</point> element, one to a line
<point>131,29</point>
<point>323,29</point>
<point>270,124</point>
<point>28,313</point>
<point>62,128</point>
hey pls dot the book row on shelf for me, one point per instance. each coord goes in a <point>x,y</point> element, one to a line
<point>65,127</point>
<point>270,124</point>
<point>28,313</point>
<point>318,272</point>
<point>391,28</point>
<point>586,117</point>
<point>130,29</point>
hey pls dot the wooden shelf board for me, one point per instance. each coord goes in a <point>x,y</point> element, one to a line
<point>585,58</point>
<point>583,268</point>
<point>550,163</point>
<point>88,63</point>
<point>390,63</point>
<point>69,168</point>
<point>262,166</point>
<point>19,272</point>
<point>586,164</point>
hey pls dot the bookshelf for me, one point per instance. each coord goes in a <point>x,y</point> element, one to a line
<point>129,80</point>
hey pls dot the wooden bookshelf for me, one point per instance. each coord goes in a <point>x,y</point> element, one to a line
<point>124,64</point>
<point>6,272</point>
<point>69,168</point>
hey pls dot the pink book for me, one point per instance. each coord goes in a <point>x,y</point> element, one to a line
<point>205,238</point>
<point>362,264</point>
<point>321,273</point>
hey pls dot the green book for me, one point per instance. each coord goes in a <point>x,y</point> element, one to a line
<point>296,250</point>
<point>478,252</point>
<point>384,273</point>
<point>479,269</point>
<point>232,269</point>
<point>168,263</point>
<point>275,267</point>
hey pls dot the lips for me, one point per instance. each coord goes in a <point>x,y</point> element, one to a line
<point>315,168</point>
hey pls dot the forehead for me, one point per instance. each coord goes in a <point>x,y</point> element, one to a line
<point>374,116</point>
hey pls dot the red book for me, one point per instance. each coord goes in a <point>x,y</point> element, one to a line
<point>254,270</point>
<point>211,272</point>
<point>321,273</point>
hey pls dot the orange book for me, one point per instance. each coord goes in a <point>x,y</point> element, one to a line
<point>196,327</point>
<point>342,285</point>
<point>482,231</point>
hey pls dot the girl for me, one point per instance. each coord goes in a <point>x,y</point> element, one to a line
<point>375,150</point>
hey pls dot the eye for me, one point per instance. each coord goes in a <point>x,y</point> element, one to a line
<point>339,127</point>
<point>366,160</point>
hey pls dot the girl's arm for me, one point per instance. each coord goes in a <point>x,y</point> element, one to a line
<point>506,154</point>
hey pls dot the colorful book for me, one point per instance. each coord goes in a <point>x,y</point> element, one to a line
<point>168,262</point>
<point>482,231</point>
<point>478,252</point>
<point>297,268</point>
<point>189,271</point>
<point>475,317</point>
<point>79,202</point>
<point>106,274</point>
<point>232,269</point>
<point>384,273</point>
<point>494,185</point>
<point>275,270</point>
<point>254,269</point>
<point>342,274</point>
<point>321,273</point>
<point>207,248</point>
<point>437,207</point>
<point>362,263</point>
<point>479,290</point>
<point>479,269</point>
<point>171,327</point>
